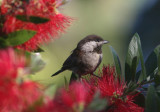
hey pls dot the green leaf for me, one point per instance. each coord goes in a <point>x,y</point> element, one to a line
<point>19,37</point>
<point>38,20</point>
<point>133,51</point>
<point>157,50</point>
<point>157,76</point>
<point>74,77</point>
<point>97,104</point>
<point>39,50</point>
<point>157,79</point>
<point>33,19</point>
<point>116,62</point>
<point>134,68</point>
<point>138,75</point>
<point>3,43</point>
<point>152,101</point>
<point>141,57</point>
<point>37,63</point>
<point>23,18</point>
<point>151,64</point>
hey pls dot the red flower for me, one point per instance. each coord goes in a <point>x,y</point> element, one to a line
<point>73,99</point>
<point>15,95</point>
<point>20,97</point>
<point>109,85</point>
<point>10,64</point>
<point>112,88</point>
<point>42,8</point>
<point>125,106</point>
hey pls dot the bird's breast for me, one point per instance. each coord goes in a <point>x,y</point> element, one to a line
<point>92,60</point>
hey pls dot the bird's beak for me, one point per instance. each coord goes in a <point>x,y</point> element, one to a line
<point>105,42</point>
<point>102,42</point>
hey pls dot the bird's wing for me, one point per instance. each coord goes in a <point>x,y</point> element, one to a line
<point>71,61</point>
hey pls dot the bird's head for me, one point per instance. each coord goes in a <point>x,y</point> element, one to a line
<point>91,43</point>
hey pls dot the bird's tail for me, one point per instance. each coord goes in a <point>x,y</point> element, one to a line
<point>57,72</point>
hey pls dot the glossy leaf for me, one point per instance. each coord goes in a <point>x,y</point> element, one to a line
<point>116,62</point>
<point>132,53</point>
<point>151,64</point>
<point>33,19</point>
<point>19,37</point>
<point>133,68</point>
<point>143,68</point>
<point>157,76</point>
<point>138,75</point>
<point>152,101</point>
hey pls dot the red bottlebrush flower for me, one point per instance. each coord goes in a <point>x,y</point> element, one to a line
<point>125,106</point>
<point>41,8</point>
<point>112,88</point>
<point>15,96</point>
<point>48,107</point>
<point>72,100</point>
<point>91,86</point>
<point>20,97</point>
<point>10,64</point>
<point>109,85</point>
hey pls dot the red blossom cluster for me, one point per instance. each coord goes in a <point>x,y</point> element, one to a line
<point>41,8</point>
<point>80,94</point>
<point>71,100</point>
<point>15,94</point>
<point>112,88</point>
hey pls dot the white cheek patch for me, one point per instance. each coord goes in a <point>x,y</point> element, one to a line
<point>89,46</point>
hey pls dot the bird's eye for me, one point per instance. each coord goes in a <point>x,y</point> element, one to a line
<point>97,40</point>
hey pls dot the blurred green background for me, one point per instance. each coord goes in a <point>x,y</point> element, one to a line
<point>114,20</point>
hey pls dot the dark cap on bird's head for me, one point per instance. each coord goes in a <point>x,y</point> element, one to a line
<point>91,40</point>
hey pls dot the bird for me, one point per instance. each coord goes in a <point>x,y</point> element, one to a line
<point>86,57</point>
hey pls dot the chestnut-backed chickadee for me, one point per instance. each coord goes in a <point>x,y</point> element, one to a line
<point>86,57</point>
